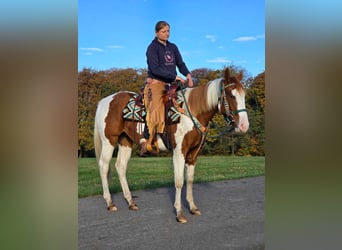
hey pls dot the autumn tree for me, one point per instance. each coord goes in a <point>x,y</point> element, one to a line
<point>255,102</point>
<point>88,81</point>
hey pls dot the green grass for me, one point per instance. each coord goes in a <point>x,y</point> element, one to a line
<point>154,172</point>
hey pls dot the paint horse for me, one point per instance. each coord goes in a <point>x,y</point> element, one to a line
<point>225,95</point>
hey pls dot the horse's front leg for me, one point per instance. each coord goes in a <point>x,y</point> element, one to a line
<point>189,186</point>
<point>178,166</point>
<point>123,157</point>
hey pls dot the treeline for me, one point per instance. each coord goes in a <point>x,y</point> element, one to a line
<point>94,85</point>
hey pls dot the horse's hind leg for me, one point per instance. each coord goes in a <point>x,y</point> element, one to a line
<point>124,154</point>
<point>104,161</point>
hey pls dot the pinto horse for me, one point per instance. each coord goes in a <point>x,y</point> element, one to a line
<point>225,95</point>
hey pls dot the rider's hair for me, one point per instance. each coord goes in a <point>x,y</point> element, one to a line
<point>160,25</point>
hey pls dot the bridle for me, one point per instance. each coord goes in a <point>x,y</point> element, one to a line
<point>228,114</point>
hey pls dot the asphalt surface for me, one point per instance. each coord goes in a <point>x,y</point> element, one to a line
<point>232,217</point>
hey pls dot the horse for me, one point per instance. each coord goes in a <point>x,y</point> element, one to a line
<point>187,136</point>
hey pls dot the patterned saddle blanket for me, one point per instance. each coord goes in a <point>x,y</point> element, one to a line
<point>135,112</point>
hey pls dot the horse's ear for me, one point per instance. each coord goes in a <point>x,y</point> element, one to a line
<point>240,76</point>
<point>226,74</point>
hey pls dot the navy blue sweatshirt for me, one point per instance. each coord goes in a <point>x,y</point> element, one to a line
<point>162,61</point>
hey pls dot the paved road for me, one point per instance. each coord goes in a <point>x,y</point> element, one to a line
<point>232,218</point>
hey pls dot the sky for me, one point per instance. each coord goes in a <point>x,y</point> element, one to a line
<point>209,34</point>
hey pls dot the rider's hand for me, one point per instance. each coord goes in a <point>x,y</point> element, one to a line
<point>190,82</point>
<point>180,79</point>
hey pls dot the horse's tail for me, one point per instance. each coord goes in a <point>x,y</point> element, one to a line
<point>97,142</point>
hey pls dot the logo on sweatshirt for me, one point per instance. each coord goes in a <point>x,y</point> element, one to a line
<point>168,58</point>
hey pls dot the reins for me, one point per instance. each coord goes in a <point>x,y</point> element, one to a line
<point>202,129</point>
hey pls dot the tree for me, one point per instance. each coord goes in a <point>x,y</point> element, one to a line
<point>255,102</point>
<point>87,98</point>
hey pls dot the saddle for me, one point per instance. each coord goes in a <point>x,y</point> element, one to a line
<point>173,100</point>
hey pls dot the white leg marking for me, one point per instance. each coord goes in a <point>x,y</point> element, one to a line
<point>178,163</point>
<point>190,179</point>
<point>183,127</point>
<point>124,154</point>
<point>104,161</point>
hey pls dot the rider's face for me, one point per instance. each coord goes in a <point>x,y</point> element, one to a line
<point>163,34</point>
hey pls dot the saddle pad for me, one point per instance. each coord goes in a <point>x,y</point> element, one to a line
<point>133,112</point>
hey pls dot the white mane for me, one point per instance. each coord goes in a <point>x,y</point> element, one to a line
<point>214,92</point>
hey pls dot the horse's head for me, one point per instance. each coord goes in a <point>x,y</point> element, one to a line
<point>233,102</point>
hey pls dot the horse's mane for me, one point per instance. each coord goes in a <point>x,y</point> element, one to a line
<point>204,97</point>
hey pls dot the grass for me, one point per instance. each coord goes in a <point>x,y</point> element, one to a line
<point>154,172</point>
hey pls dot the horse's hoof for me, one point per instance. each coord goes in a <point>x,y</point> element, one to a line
<point>133,207</point>
<point>180,218</point>
<point>195,211</point>
<point>112,208</point>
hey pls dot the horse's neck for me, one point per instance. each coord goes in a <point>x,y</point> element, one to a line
<point>205,117</point>
<point>210,96</point>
